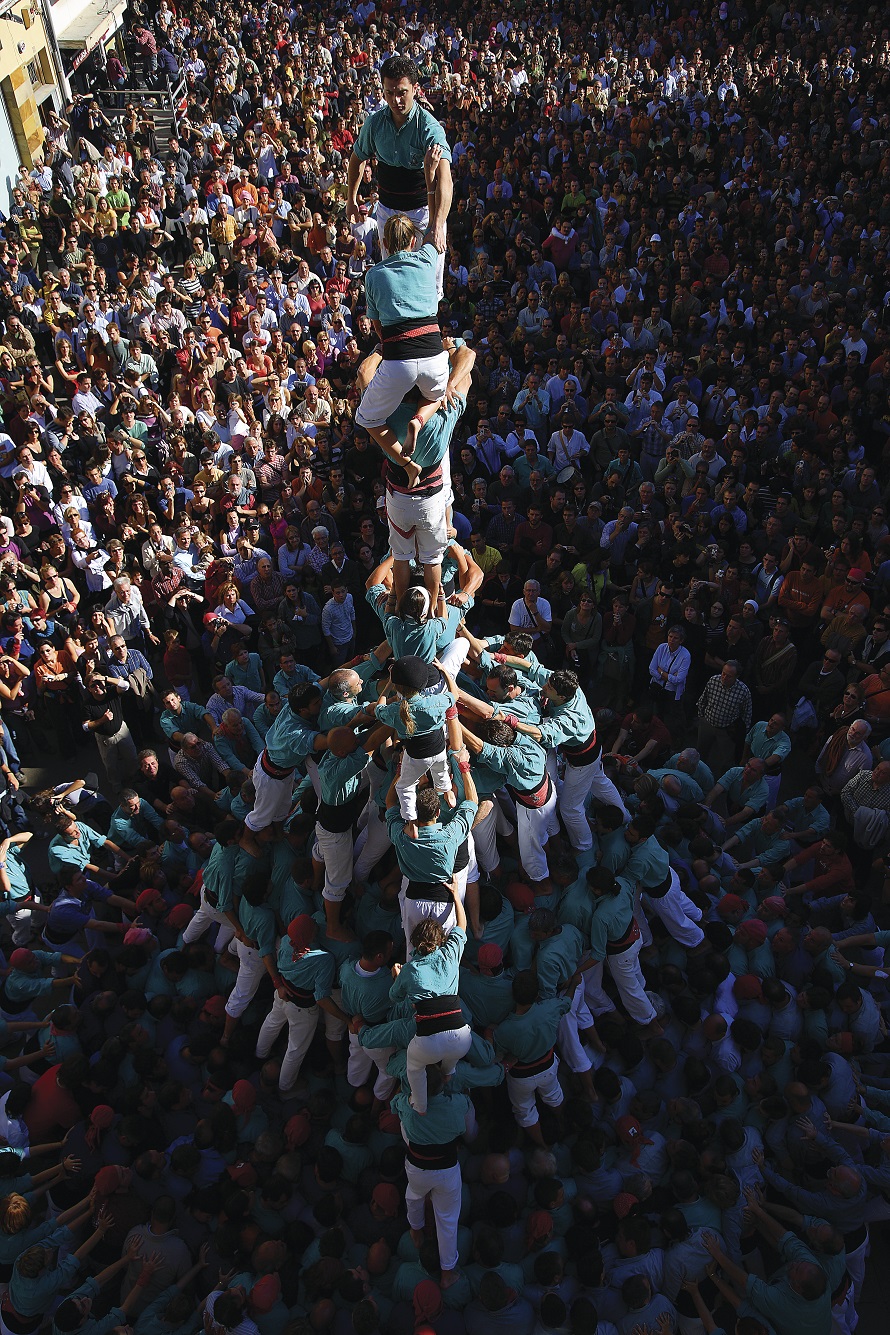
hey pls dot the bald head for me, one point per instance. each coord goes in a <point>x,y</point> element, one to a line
<point>714,1028</point>
<point>844,1182</point>
<point>344,684</point>
<point>495,1169</point>
<point>342,741</point>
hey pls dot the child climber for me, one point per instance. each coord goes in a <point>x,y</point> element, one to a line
<point>418,719</point>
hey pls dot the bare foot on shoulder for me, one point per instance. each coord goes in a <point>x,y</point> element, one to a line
<point>411,829</point>
<point>450,799</point>
<point>412,431</point>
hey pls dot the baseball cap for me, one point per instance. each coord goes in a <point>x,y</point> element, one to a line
<point>243,1175</point>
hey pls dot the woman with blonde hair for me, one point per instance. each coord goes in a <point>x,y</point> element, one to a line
<point>17,1234</point>
<point>40,1273</point>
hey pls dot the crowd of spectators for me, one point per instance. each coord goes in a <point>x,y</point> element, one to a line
<point>668,250</point>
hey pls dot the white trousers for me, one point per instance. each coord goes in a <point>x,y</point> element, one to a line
<point>443,1186</point>
<point>579,783</point>
<point>427,1050</point>
<point>856,1263</point>
<point>273,798</point>
<point>533,830</point>
<point>485,834</point>
<point>570,1045</point>
<point>679,915</point>
<point>625,969</point>
<point>394,379</point>
<point>21,927</point>
<point>302,1023</point>
<point>418,525</point>
<point>335,851</point>
<point>412,770</point>
<point>250,973</point>
<point>523,1090</point>
<point>414,911</point>
<point>371,844</point>
<point>362,1061</point>
<point>484,837</point>
<point>454,655</point>
<point>205,916</point>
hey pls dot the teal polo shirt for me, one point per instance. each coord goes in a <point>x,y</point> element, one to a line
<point>433,975</point>
<point>363,993</point>
<point>403,286</point>
<point>527,1037</point>
<point>554,959</point>
<point>403,148</point>
<point>406,637</point>
<point>340,713</point>
<point>61,853</point>
<point>434,438</point>
<point>282,681</point>
<point>611,918</point>
<point>259,926</point>
<point>527,708</point>
<point>219,875</point>
<point>763,746</point>
<point>801,819</point>
<point>17,873</point>
<point>571,722</point>
<point>430,857</point>
<point>250,676</point>
<point>290,739</point>
<point>754,796</point>
<point>522,764</point>
<point>189,719</point>
<point>314,971</point>
<point>340,777</point>
<point>427,712</point>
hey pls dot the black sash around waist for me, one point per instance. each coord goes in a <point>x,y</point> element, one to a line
<point>54,937</point>
<point>274,771</point>
<point>338,819</point>
<point>522,1070</point>
<point>409,339</point>
<point>426,744</point>
<point>624,942</point>
<point>535,797</point>
<point>433,1156</point>
<point>436,1015</point>
<point>433,892</point>
<point>13,1007</point>
<point>659,891</point>
<point>584,754</point>
<point>300,996</point>
<point>401,187</point>
<point>430,482</point>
